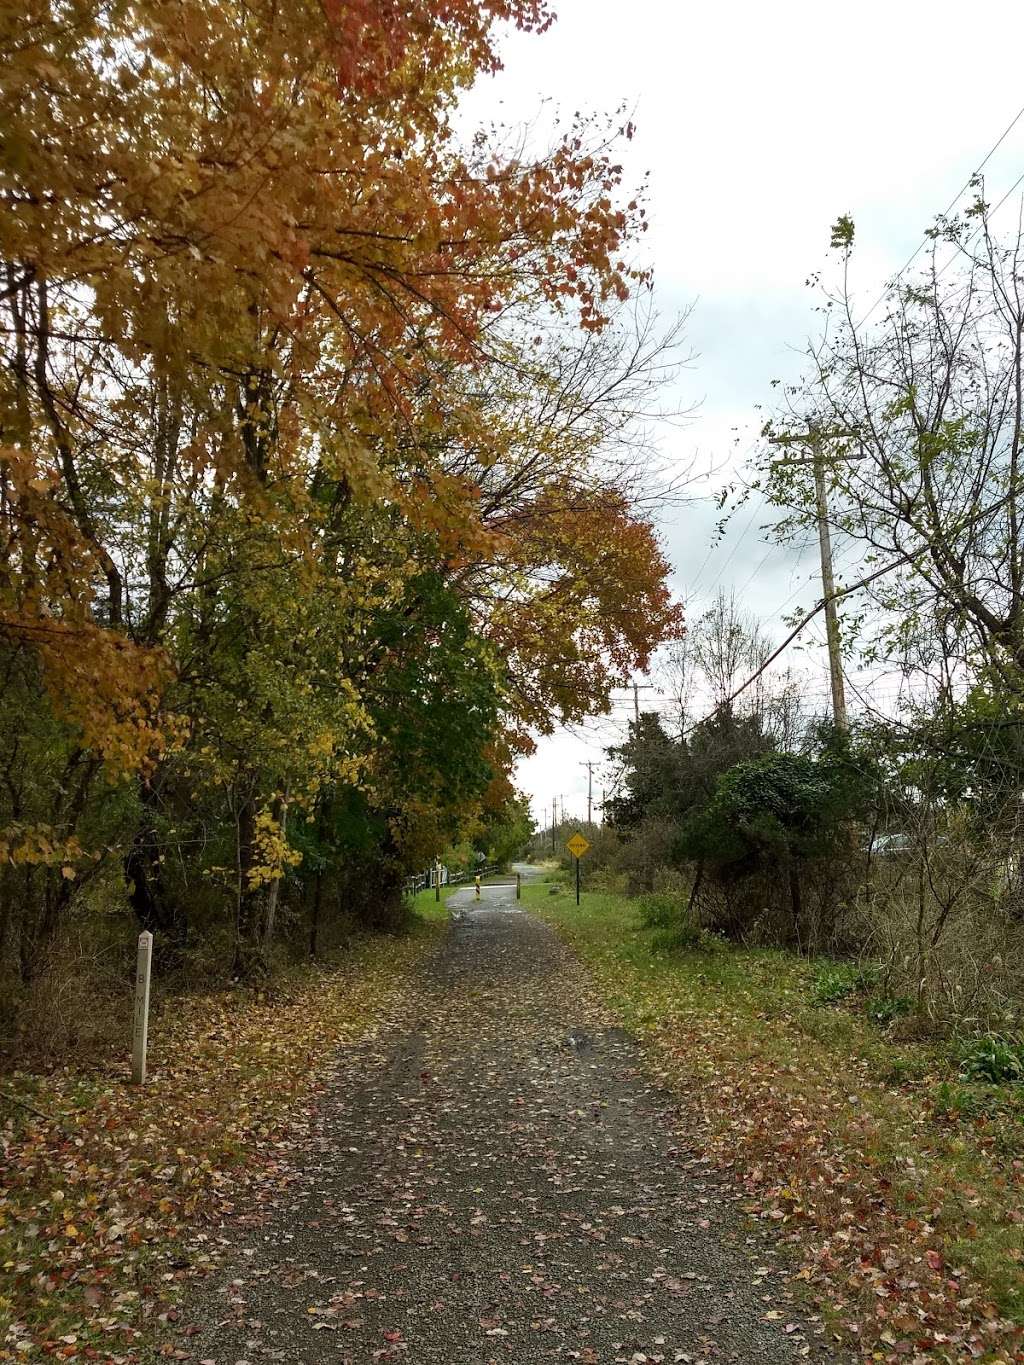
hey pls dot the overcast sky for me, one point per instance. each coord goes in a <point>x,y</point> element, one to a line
<point>759,125</point>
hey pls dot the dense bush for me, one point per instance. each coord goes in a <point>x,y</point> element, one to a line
<point>899,846</point>
<point>773,826</point>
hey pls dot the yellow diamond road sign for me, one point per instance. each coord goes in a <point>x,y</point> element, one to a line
<point>577,845</point>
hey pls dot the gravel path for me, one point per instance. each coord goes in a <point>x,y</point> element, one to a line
<point>496,1180</point>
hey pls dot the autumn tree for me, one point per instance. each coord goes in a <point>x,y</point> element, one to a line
<point>259,527</point>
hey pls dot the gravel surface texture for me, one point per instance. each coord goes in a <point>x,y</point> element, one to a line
<point>496,1179</point>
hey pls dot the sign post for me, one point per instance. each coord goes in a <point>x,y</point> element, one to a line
<point>437,880</point>
<point>140,1032</point>
<point>519,886</point>
<point>577,846</point>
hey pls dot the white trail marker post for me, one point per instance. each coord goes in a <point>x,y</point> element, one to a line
<point>140,1032</point>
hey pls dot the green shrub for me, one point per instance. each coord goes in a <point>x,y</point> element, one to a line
<point>661,910</point>
<point>994,1059</point>
<point>833,983</point>
<point>884,1009</point>
<point>684,937</point>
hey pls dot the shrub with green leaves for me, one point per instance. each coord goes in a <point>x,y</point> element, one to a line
<point>885,1009</point>
<point>661,910</point>
<point>834,983</point>
<point>995,1059</point>
<point>686,936</point>
<point>771,822</point>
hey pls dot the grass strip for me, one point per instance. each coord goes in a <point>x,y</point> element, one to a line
<point>901,1186</point>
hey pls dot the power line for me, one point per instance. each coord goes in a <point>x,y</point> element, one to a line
<point>703,566</point>
<point>1006,196</point>
<point>803,583</point>
<point>907,557</point>
<point>763,561</point>
<point>731,555</point>
<point>945,212</point>
<point>843,555</point>
<point>977,232</point>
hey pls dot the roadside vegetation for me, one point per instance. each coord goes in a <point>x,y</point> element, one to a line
<point>324,488</point>
<point>886,831</point>
<point>814,911</point>
<point>892,1162</point>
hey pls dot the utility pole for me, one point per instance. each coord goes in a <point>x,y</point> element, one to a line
<point>828,585</point>
<point>590,785</point>
<point>816,440</point>
<point>637,689</point>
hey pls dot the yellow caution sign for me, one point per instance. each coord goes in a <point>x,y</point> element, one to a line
<point>577,845</point>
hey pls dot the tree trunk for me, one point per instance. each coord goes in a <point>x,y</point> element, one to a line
<point>698,878</point>
<point>27,957</point>
<point>314,918</point>
<point>247,916</point>
<point>270,908</point>
<point>155,910</point>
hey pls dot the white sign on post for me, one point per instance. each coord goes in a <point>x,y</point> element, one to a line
<point>140,1034</point>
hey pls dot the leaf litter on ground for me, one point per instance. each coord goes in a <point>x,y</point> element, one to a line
<point>109,1201</point>
<point>881,1194</point>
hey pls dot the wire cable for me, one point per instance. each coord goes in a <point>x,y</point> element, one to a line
<point>945,212</point>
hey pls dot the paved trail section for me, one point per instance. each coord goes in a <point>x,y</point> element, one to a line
<point>495,1179</point>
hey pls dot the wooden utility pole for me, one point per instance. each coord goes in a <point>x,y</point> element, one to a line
<point>816,440</point>
<point>590,787</point>
<point>828,585</point>
<point>637,689</point>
